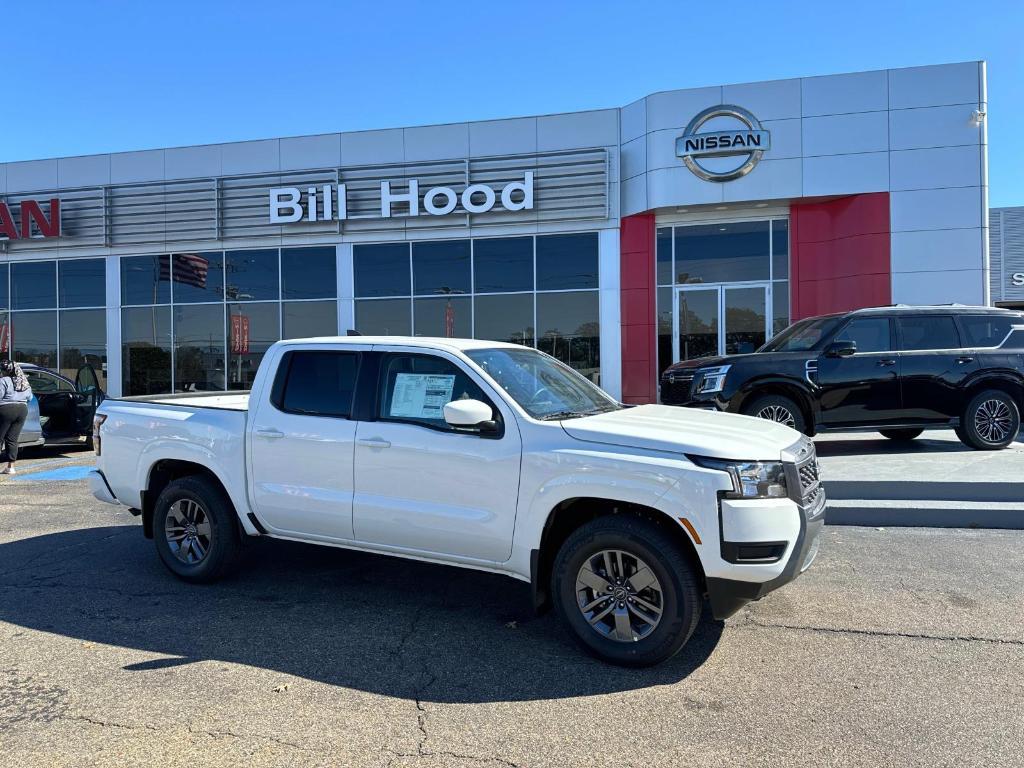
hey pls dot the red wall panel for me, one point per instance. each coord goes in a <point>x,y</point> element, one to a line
<point>639,356</point>
<point>840,255</point>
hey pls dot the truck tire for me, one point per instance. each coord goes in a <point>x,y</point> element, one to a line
<point>990,422</point>
<point>195,529</point>
<point>777,408</point>
<point>626,591</point>
<point>901,435</point>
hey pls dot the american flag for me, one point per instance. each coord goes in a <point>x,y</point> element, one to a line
<point>189,268</point>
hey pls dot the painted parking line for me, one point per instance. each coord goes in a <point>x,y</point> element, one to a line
<point>61,473</point>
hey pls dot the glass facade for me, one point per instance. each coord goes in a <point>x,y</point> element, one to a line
<point>539,291</point>
<point>202,321</point>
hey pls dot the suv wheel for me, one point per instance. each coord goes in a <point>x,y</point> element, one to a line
<point>777,408</point>
<point>990,422</point>
<point>194,529</point>
<point>900,435</point>
<point>626,590</point>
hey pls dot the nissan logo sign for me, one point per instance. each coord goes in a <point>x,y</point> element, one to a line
<point>749,144</point>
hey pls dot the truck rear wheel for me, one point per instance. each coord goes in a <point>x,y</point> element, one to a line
<point>626,591</point>
<point>194,529</point>
<point>990,422</point>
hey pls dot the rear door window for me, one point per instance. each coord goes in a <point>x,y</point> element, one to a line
<point>318,383</point>
<point>985,330</point>
<point>924,332</point>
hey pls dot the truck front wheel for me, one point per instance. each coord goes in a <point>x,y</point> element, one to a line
<point>626,591</point>
<point>194,529</point>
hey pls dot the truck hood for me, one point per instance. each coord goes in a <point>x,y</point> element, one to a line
<point>685,430</point>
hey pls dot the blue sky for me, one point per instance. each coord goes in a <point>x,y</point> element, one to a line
<point>117,76</point>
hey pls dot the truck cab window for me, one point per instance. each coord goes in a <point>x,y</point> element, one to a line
<point>319,383</point>
<point>415,388</point>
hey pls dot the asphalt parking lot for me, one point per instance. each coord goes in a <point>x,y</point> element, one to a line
<point>900,647</point>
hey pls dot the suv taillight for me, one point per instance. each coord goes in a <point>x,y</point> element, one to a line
<point>97,422</point>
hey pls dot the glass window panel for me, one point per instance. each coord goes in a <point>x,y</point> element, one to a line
<point>34,285</point>
<point>720,253</point>
<point>320,383</point>
<point>408,370</point>
<point>505,318</point>
<point>746,315</point>
<point>83,339</point>
<point>199,348</point>
<point>35,338</point>
<point>146,350</point>
<point>780,306</point>
<point>440,267</point>
<point>503,264</point>
<point>870,334</point>
<point>384,317</point>
<point>698,323</point>
<point>83,283</point>
<point>664,255</point>
<point>252,328</point>
<point>303,319</point>
<point>445,316</point>
<point>146,280</point>
<point>664,298</point>
<point>252,275</point>
<point>780,249</point>
<point>568,328</point>
<point>567,261</point>
<point>381,270</point>
<point>4,287</point>
<point>924,332</point>
<point>309,273</point>
<point>986,330</point>
<point>198,277</point>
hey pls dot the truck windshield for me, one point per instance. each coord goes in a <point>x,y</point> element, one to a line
<point>803,335</point>
<point>544,387</point>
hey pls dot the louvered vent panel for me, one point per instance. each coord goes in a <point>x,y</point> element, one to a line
<point>81,218</point>
<point>1013,252</point>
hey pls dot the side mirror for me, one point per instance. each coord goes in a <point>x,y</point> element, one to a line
<point>841,349</point>
<point>470,413</point>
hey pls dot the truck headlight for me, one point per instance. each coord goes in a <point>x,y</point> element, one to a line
<point>712,379</point>
<point>750,479</point>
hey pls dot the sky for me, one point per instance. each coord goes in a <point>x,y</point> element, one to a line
<point>88,77</point>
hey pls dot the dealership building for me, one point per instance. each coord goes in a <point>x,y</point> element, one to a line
<point>1006,248</point>
<point>687,223</point>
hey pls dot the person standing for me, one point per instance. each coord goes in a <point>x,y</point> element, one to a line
<point>15,392</point>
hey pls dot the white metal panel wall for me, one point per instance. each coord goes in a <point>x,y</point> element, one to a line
<point>1006,238</point>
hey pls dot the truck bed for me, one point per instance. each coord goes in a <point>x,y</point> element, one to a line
<point>227,401</point>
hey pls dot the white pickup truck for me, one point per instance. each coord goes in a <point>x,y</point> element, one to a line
<point>481,455</point>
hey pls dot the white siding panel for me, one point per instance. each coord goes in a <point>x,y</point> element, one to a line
<point>936,250</point>
<point>839,94</point>
<point>786,138</point>
<point>768,100</point>
<point>661,149</point>
<point>846,174</point>
<point>933,127</point>
<point>87,171</point>
<point>437,142</point>
<point>677,186</point>
<point>127,167</point>
<point>934,86</point>
<point>311,151</point>
<point>770,180</point>
<point>935,168</point>
<point>634,195</point>
<point>32,175</point>
<point>3,177</point>
<point>192,162</point>
<point>633,120</point>
<point>634,157</point>
<point>845,134</point>
<point>962,286</point>
<point>578,130</point>
<point>674,109</point>
<point>372,147</point>
<point>251,157</point>
<point>957,208</point>
<point>503,137</point>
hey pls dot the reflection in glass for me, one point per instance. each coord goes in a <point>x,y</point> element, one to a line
<point>503,264</point>
<point>83,339</point>
<point>664,318</point>
<point>251,329</point>
<point>146,280</point>
<point>780,249</point>
<point>381,269</point>
<point>508,317</point>
<point>719,253</point>
<point>440,268</point>
<point>664,255</point>
<point>198,277</point>
<point>83,283</point>
<point>698,323</point>
<point>146,350</point>
<point>199,348</point>
<point>745,320</point>
<point>309,273</point>
<point>780,306</point>
<point>566,261</point>
<point>568,328</point>
<point>4,287</point>
<point>303,319</point>
<point>384,317</point>
<point>447,317</point>
<point>34,285</point>
<point>251,275</point>
<point>34,337</point>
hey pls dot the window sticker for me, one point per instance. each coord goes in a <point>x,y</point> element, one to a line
<point>421,395</point>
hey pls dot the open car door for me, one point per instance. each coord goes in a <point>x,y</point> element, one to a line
<point>90,395</point>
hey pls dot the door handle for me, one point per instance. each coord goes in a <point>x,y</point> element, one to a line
<point>965,359</point>
<point>887,361</point>
<point>374,442</point>
<point>270,434</point>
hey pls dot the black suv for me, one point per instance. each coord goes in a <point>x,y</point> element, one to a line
<point>895,370</point>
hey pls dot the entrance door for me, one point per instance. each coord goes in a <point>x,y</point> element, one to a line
<point>721,320</point>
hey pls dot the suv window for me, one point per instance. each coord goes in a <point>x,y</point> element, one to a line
<point>985,330</point>
<point>928,332</point>
<point>870,334</point>
<point>319,383</point>
<point>416,388</point>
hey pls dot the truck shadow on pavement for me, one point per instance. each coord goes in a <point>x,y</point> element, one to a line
<point>885,447</point>
<point>396,627</point>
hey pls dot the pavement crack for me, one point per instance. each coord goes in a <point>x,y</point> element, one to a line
<point>750,621</point>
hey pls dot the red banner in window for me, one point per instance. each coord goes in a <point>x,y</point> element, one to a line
<point>5,339</point>
<point>240,334</point>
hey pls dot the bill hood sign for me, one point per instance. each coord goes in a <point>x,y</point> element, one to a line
<point>34,223</point>
<point>749,143</point>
